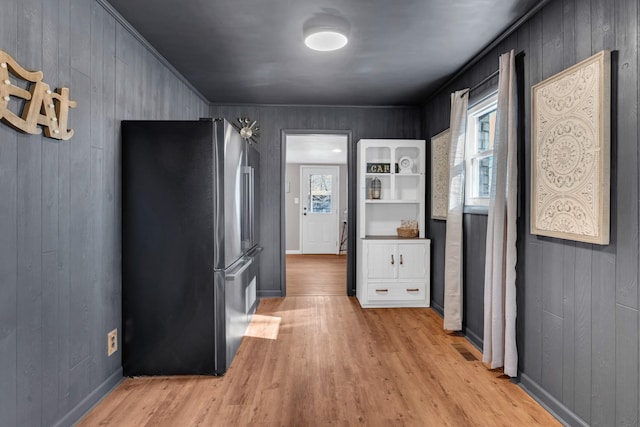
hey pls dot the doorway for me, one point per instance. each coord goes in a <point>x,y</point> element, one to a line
<point>315,215</point>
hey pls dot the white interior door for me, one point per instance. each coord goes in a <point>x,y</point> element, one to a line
<point>319,204</point>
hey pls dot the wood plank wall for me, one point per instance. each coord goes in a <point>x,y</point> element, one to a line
<point>60,206</point>
<point>578,303</point>
<point>363,122</point>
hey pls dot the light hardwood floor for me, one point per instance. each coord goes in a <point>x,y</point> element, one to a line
<point>316,275</point>
<point>322,360</point>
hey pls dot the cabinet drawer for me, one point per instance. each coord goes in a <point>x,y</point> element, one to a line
<point>396,292</point>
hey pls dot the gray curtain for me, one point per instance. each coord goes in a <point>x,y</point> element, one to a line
<point>453,245</point>
<point>500,264</point>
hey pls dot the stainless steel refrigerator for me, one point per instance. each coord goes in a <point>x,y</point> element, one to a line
<point>189,245</point>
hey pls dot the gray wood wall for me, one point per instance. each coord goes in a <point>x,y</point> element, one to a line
<point>364,122</point>
<point>577,303</point>
<point>60,206</point>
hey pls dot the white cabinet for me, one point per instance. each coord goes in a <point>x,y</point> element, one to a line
<point>392,271</point>
<point>411,261</point>
<point>381,261</point>
<point>396,261</point>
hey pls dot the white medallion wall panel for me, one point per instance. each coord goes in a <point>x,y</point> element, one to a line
<point>440,175</point>
<point>570,153</point>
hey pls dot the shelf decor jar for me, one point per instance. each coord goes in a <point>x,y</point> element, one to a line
<point>375,188</point>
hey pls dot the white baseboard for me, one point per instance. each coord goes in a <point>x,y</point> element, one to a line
<point>293,252</point>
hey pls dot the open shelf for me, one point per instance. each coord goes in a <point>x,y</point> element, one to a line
<point>400,167</point>
<point>388,237</point>
<point>397,202</point>
<point>383,217</point>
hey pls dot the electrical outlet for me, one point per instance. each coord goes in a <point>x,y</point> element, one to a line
<point>112,342</point>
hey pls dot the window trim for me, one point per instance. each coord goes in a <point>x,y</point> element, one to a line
<point>483,106</point>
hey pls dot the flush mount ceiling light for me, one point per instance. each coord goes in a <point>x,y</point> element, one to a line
<point>326,33</point>
<point>325,39</point>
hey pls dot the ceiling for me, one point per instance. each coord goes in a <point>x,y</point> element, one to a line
<point>247,51</point>
<point>317,149</point>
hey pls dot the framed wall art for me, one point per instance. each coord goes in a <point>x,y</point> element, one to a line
<point>440,175</point>
<point>570,152</point>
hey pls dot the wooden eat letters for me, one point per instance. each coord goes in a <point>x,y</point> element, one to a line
<point>42,107</point>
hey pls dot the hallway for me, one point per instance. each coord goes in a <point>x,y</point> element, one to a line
<point>316,275</point>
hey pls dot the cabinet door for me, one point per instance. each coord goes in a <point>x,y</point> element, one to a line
<point>412,261</point>
<point>381,261</point>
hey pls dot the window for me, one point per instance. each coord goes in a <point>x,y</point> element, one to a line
<point>320,190</point>
<point>481,130</point>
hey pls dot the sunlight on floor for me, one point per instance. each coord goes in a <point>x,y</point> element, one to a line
<point>266,327</point>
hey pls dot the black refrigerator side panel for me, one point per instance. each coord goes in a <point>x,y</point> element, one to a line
<point>167,248</point>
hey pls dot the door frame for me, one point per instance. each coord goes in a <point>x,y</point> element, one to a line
<point>352,153</point>
<point>301,225</point>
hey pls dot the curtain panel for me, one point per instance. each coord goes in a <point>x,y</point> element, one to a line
<point>500,264</point>
<point>453,244</point>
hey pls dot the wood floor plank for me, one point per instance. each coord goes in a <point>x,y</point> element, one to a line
<point>323,360</point>
<point>316,275</point>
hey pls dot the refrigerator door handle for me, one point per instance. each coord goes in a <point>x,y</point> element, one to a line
<point>237,273</point>
<point>251,207</point>
<point>249,210</point>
